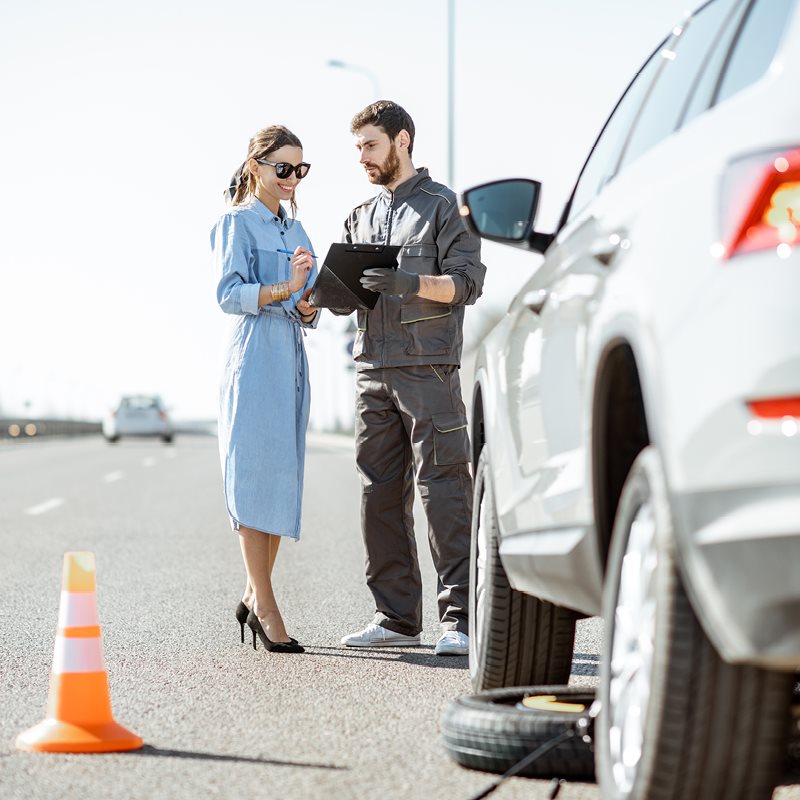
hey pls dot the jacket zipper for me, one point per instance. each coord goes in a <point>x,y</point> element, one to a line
<point>388,237</point>
<point>386,241</point>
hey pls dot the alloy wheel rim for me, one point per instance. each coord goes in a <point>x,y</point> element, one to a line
<point>632,647</point>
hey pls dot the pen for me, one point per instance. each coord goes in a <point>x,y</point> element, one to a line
<point>291,252</point>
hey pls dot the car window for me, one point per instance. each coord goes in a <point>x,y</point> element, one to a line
<point>708,80</point>
<point>139,403</point>
<point>752,54</point>
<point>599,167</point>
<point>685,55</point>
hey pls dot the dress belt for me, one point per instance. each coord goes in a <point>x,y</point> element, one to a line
<point>283,314</point>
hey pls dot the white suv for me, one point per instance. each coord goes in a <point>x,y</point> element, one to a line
<point>636,418</point>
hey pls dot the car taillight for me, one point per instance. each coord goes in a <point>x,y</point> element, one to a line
<point>162,415</point>
<point>775,407</point>
<point>761,203</point>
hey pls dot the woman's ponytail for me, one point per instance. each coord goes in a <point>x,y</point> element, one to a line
<point>238,189</point>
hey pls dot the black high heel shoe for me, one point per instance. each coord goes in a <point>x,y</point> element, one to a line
<point>292,646</point>
<point>241,616</point>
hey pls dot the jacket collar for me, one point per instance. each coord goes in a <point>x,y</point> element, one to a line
<point>406,188</point>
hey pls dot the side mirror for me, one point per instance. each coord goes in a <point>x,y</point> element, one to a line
<point>504,211</point>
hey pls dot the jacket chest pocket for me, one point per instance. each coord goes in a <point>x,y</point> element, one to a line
<point>419,259</point>
<point>427,329</point>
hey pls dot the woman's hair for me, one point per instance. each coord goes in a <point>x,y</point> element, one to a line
<point>264,142</point>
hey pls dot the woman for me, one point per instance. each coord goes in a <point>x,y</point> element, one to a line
<point>264,261</point>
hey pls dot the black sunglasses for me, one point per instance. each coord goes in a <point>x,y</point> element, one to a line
<point>284,169</point>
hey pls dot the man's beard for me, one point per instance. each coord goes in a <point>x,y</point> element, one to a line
<point>388,171</point>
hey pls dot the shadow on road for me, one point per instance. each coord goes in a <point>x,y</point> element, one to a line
<point>424,658</point>
<point>149,750</point>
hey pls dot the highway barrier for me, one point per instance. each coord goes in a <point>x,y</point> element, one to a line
<point>23,429</point>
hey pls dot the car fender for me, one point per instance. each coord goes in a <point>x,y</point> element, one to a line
<point>494,425</point>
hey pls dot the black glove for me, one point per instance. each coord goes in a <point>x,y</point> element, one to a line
<point>390,281</point>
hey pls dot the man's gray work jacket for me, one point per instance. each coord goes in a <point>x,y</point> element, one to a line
<point>423,217</point>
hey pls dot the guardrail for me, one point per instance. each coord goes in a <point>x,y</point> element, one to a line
<point>28,428</point>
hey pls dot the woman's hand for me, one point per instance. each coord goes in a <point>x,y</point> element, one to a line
<point>302,261</point>
<point>304,308</point>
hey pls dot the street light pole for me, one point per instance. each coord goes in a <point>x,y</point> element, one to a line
<point>367,73</point>
<point>451,48</point>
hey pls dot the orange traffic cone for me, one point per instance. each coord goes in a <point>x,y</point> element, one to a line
<point>79,718</point>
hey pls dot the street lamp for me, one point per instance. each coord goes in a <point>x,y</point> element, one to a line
<point>369,74</point>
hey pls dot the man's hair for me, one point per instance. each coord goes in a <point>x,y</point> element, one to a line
<point>390,116</point>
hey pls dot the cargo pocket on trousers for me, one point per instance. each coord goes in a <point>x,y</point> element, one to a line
<point>450,438</point>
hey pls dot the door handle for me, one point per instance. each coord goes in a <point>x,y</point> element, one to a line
<point>535,300</point>
<point>605,248</point>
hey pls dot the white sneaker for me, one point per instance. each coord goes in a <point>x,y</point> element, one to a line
<point>453,643</point>
<point>377,636</point>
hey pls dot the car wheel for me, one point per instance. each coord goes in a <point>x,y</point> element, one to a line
<point>515,639</point>
<point>676,722</point>
<point>167,439</point>
<point>494,730</point>
<point>112,439</point>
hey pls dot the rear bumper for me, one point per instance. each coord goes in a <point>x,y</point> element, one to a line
<point>135,429</point>
<point>740,555</point>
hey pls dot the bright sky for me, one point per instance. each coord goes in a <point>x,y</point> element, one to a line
<point>122,123</point>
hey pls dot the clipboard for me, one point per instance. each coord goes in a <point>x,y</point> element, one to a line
<point>337,284</point>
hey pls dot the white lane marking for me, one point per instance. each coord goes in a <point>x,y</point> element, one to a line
<point>111,477</point>
<point>149,462</point>
<point>43,508</point>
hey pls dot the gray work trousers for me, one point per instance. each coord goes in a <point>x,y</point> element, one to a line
<point>411,421</point>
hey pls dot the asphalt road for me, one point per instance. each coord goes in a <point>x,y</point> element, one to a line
<point>220,720</point>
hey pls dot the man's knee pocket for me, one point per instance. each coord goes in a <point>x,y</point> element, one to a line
<point>450,438</point>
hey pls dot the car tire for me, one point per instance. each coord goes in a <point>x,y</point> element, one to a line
<point>515,639</point>
<point>167,439</point>
<point>676,722</point>
<point>112,439</point>
<point>491,731</point>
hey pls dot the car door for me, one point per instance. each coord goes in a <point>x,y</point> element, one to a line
<point>546,319</point>
<point>547,378</point>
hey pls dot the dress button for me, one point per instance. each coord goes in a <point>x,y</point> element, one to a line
<point>276,219</point>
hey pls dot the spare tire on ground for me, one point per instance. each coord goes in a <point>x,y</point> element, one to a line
<point>493,730</point>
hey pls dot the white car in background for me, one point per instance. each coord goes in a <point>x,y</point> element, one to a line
<point>138,415</point>
<point>636,418</point>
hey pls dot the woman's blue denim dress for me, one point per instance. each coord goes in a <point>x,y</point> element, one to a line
<point>264,394</point>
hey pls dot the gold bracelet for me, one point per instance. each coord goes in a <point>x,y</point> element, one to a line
<point>280,291</point>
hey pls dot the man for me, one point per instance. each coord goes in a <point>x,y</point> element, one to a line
<point>410,417</point>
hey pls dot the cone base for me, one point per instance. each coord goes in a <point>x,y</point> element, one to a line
<point>53,736</point>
